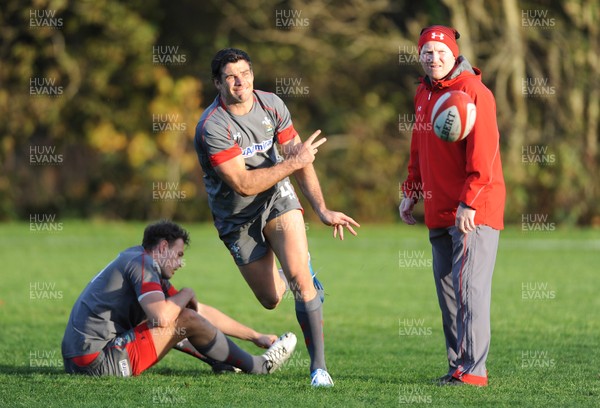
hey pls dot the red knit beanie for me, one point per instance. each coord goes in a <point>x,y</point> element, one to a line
<point>443,34</point>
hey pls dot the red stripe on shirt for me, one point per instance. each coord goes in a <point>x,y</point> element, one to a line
<point>286,134</point>
<point>148,286</point>
<point>225,155</point>
<point>151,287</point>
<point>172,291</point>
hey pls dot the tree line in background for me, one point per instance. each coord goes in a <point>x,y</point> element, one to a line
<point>100,99</point>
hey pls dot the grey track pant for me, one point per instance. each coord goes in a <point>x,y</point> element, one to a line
<point>463,265</point>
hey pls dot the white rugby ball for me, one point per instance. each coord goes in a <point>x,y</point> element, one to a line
<point>453,116</point>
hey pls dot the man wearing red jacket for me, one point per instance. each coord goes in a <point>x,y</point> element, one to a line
<point>462,187</point>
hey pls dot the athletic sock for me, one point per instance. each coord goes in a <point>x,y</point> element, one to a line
<point>310,317</point>
<point>221,348</point>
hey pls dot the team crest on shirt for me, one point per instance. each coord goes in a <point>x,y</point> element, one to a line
<point>268,125</point>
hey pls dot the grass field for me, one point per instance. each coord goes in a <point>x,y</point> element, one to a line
<point>382,325</point>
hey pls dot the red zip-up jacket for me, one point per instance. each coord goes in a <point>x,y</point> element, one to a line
<point>444,174</point>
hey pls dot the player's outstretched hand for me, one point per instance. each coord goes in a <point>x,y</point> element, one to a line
<point>264,340</point>
<point>339,221</point>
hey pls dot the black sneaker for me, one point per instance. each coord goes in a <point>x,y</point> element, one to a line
<point>448,380</point>
<point>442,380</point>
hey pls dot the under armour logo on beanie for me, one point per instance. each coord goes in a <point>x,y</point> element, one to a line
<point>443,34</point>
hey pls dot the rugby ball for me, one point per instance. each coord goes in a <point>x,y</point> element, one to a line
<point>453,116</point>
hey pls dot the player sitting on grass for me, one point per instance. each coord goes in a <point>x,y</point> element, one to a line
<point>130,316</point>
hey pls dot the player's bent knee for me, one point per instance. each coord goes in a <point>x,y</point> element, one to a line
<point>269,302</point>
<point>194,325</point>
<point>190,318</point>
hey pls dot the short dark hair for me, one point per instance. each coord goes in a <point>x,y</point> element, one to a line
<point>164,229</point>
<point>226,56</point>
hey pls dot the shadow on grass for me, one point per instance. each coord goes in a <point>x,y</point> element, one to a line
<point>24,370</point>
<point>157,371</point>
<point>169,372</point>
